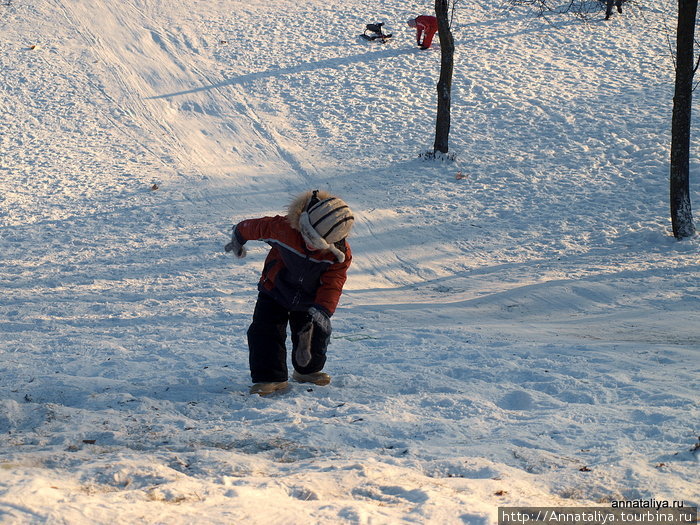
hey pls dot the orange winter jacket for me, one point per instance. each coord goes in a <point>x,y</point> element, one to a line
<point>294,276</point>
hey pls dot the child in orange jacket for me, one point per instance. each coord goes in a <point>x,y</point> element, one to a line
<point>300,286</point>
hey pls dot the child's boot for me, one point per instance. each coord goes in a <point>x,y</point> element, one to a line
<point>265,389</point>
<point>317,378</point>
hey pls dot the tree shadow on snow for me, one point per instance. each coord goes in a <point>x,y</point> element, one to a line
<point>330,63</point>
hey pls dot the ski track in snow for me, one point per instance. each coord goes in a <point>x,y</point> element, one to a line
<point>524,335</point>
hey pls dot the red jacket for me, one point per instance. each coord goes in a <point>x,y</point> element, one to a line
<point>294,276</point>
<point>426,26</point>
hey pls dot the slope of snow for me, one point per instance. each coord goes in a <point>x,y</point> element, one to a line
<point>518,327</point>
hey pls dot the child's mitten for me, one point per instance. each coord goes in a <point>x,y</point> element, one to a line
<point>236,247</point>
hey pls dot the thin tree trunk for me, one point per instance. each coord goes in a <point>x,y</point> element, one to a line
<point>444,86</point>
<point>681,213</point>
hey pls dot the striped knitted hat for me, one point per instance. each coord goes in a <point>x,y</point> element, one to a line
<point>330,217</point>
<point>325,222</point>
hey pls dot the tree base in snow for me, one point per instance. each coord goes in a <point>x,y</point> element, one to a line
<point>437,155</point>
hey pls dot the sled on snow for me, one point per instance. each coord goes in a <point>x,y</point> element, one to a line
<point>375,32</point>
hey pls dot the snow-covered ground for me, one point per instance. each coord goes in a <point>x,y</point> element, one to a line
<point>523,334</point>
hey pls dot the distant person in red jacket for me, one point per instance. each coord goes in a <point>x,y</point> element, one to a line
<point>301,283</point>
<point>426,27</point>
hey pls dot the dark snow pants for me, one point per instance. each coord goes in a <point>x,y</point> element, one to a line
<point>609,6</point>
<point>266,342</point>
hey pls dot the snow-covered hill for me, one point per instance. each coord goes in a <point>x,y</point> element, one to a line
<point>523,333</point>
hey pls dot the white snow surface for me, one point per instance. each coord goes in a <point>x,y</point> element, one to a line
<point>519,327</point>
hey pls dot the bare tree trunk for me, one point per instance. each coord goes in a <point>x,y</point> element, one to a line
<point>681,213</point>
<point>444,86</point>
